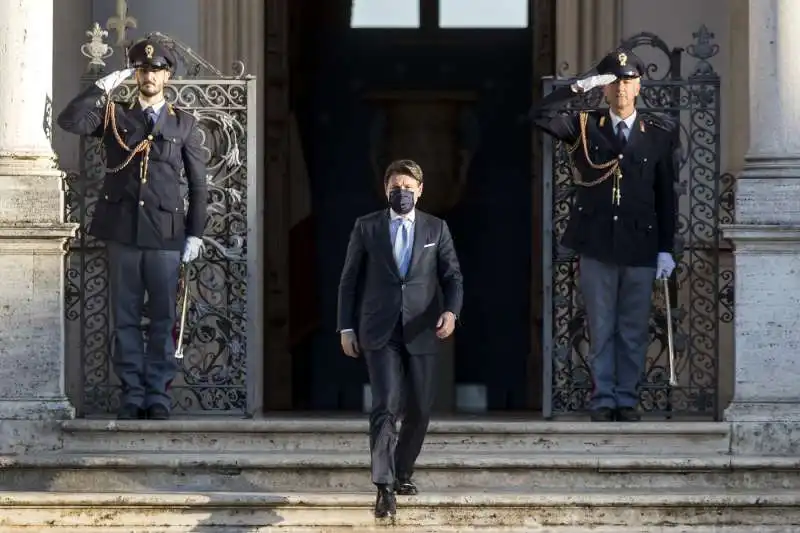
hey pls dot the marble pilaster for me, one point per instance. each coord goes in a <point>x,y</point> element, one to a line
<point>32,235</point>
<point>586,31</point>
<point>765,412</point>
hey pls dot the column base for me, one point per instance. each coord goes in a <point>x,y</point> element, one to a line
<point>768,190</point>
<point>765,413</point>
<point>31,189</point>
<point>32,426</point>
<point>45,409</point>
<point>764,428</point>
<point>32,399</point>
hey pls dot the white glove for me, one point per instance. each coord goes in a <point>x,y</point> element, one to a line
<point>587,84</point>
<point>192,249</point>
<point>110,82</point>
<point>665,265</point>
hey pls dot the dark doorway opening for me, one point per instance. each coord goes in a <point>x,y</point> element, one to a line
<point>450,98</point>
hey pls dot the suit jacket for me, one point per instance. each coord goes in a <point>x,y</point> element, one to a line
<point>143,203</point>
<point>373,296</point>
<point>643,224</point>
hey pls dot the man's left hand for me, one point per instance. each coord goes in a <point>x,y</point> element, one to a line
<point>192,249</point>
<point>664,265</point>
<point>445,325</point>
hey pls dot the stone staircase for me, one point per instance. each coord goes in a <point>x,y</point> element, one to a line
<point>312,474</point>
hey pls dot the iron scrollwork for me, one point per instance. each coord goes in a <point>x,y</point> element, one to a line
<point>212,375</point>
<point>703,300</point>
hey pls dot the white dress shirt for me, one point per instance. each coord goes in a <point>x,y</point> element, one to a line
<point>615,120</point>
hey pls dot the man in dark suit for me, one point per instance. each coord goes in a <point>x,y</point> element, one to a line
<point>623,221</point>
<point>142,219</point>
<point>398,262</point>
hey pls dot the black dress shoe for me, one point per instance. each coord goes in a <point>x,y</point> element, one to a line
<point>405,487</point>
<point>603,414</point>
<point>157,412</point>
<point>628,414</point>
<point>130,411</point>
<point>385,503</point>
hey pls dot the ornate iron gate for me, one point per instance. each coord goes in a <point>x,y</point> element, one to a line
<point>703,300</point>
<point>213,374</point>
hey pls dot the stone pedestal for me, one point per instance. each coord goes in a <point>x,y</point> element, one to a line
<point>765,412</point>
<point>32,236</point>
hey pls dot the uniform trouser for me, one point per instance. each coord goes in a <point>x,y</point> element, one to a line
<point>618,302</point>
<point>145,371</point>
<point>402,387</point>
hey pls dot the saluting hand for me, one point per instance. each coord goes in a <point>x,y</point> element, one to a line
<point>112,81</point>
<point>587,84</point>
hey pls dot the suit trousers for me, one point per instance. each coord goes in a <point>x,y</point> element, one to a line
<point>402,391</point>
<point>618,300</point>
<point>145,370</point>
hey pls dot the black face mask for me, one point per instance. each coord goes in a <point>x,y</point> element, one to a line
<point>401,201</point>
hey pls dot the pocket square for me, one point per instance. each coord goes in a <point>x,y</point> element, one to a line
<point>429,245</point>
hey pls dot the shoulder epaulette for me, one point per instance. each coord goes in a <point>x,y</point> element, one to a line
<point>173,109</point>
<point>663,122</point>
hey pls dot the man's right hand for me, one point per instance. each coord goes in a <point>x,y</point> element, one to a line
<point>350,344</point>
<point>587,84</point>
<point>112,81</point>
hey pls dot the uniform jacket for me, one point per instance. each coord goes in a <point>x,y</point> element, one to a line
<point>143,204</point>
<point>373,296</point>
<point>632,231</point>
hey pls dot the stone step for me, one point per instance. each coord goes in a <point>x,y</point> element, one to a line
<point>350,435</point>
<point>349,472</point>
<point>404,529</point>
<point>543,511</point>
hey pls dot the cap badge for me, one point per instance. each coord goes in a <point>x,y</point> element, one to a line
<point>623,59</point>
<point>148,51</point>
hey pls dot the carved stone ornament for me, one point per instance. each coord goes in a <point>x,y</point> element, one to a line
<point>96,49</point>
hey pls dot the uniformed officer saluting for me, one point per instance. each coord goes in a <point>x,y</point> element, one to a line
<point>622,225</point>
<point>140,215</point>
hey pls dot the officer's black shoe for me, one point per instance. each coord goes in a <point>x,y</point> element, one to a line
<point>627,414</point>
<point>385,503</point>
<point>603,414</point>
<point>130,411</point>
<point>405,487</point>
<point>157,412</point>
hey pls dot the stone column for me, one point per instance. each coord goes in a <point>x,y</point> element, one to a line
<point>32,235</point>
<point>765,412</point>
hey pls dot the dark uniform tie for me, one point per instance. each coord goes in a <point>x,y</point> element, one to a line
<point>151,115</point>
<point>621,137</point>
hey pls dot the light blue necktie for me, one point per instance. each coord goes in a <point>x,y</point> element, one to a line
<point>401,250</point>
